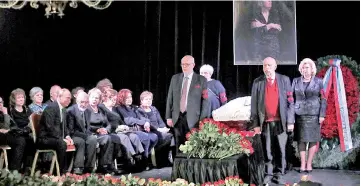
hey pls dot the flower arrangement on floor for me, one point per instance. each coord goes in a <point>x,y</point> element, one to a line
<point>350,73</point>
<point>14,178</point>
<point>216,140</point>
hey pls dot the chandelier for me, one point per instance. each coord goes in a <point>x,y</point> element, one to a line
<point>55,7</point>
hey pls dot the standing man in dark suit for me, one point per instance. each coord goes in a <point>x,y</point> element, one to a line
<point>84,141</point>
<point>187,101</point>
<point>53,131</point>
<point>271,116</point>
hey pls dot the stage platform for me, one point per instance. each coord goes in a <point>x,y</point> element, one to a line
<point>326,177</point>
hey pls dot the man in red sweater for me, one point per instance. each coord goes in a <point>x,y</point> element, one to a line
<point>271,117</point>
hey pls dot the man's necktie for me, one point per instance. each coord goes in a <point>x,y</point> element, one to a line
<point>83,118</point>
<point>184,95</point>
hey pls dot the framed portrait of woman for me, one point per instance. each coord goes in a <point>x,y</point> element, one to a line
<point>264,29</point>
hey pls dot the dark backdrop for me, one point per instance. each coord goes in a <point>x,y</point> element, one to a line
<point>138,45</point>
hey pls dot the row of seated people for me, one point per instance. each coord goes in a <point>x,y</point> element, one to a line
<point>107,119</point>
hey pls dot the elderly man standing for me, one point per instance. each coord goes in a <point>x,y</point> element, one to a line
<point>271,116</point>
<point>53,131</point>
<point>187,101</point>
<point>54,90</point>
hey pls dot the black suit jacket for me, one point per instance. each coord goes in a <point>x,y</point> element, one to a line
<point>257,102</point>
<point>50,123</point>
<point>49,102</point>
<point>113,117</point>
<point>75,122</point>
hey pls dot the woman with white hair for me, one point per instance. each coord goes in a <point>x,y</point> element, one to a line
<point>101,127</point>
<point>216,92</point>
<point>37,95</point>
<point>309,110</point>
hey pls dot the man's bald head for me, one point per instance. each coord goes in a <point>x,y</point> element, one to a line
<point>64,97</point>
<point>269,67</point>
<point>54,90</point>
<point>187,64</point>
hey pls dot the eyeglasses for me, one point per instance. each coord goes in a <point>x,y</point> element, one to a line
<point>1,102</point>
<point>186,64</point>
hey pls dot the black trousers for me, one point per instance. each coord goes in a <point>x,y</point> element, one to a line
<point>106,150</point>
<point>59,146</point>
<point>274,141</point>
<point>180,130</point>
<point>16,154</point>
<point>85,148</point>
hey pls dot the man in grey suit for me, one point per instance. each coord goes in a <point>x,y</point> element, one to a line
<point>271,117</point>
<point>187,101</point>
<point>83,139</point>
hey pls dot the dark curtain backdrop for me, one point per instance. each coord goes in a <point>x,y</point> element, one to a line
<point>138,45</point>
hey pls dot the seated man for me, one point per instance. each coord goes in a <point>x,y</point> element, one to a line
<point>83,139</point>
<point>53,131</point>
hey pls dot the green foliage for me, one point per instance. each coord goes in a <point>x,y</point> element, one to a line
<point>346,61</point>
<point>14,178</point>
<point>215,141</point>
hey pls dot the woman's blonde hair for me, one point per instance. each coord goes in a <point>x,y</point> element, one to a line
<point>95,91</point>
<point>13,95</point>
<point>311,63</point>
<point>145,94</point>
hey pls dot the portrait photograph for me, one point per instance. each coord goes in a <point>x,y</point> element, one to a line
<point>264,29</point>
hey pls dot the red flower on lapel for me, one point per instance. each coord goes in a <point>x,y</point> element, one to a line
<point>197,86</point>
<point>205,94</point>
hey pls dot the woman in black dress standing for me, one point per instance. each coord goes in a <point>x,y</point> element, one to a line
<point>309,109</point>
<point>266,28</point>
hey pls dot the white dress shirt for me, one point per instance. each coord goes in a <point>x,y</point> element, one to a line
<point>61,114</point>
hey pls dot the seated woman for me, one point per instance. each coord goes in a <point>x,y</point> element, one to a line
<point>17,143</point>
<point>37,106</point>
<point>157,126</point>
<point>100,126</point>
<point>129,140</point>
<point>20,125</point>
<point>138,124</point>
<point>36,95</point>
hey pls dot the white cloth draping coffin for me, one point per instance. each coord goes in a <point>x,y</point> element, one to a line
<point>238,109</point>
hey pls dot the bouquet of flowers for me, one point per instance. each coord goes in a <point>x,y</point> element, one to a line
<point>213,139</point>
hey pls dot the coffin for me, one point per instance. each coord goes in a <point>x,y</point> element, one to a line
<point>236,113</point>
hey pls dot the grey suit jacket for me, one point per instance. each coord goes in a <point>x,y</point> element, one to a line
<point>197,100</point>
<point>257,102</point>
<point>310,100</point>
<point>75,122</point>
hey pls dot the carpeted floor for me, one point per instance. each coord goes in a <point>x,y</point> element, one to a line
<point>326,177</point>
